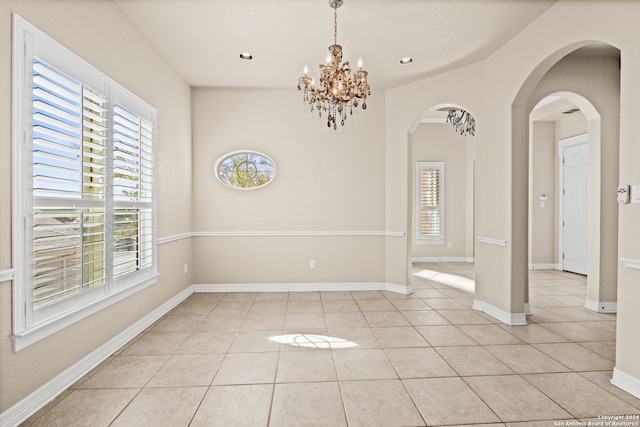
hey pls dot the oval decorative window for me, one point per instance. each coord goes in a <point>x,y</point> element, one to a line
<point>245,170</point>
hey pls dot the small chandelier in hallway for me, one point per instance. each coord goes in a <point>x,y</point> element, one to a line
<point>462,121</point>
<point>339,90</point>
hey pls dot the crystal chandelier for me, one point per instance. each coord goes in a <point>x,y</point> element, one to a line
<point>462,121</point>
<point>340,90</point>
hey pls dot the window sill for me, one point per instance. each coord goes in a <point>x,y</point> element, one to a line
<point>42,330</point>
<point>430,242</point>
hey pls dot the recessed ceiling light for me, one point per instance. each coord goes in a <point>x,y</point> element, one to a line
<point>245,55</point>
<point>406,60</point>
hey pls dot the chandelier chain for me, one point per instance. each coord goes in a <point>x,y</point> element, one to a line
<point>335,25</point>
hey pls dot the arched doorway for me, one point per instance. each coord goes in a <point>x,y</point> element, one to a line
<point>563,122</point>
<point>588,80</point>
<point>437,148</point>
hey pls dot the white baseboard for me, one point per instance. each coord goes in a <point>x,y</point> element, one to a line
<point>513,319</point>
<point>398,289</point>
<point>543,266</point>
<point>601,306</point>
<point>626,382</point>
<point>36,400</point>
<point>527,308</point>
<point>303,287</point>
<point>443,259</point>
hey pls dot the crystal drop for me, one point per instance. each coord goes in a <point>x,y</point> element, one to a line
<point>342,123</point>
<point>364,105</point>
<point>335,127</point>
<point>328,123</point>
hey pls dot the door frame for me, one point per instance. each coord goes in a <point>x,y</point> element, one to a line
<point>562,144</point>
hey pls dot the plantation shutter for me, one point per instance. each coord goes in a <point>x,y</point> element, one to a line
<point>83,219</point>
<point>69,136</point>
<point>133,189</point>
<point>430,200</point>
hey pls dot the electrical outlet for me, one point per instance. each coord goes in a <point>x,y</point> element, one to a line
<point>186,268</point>
<point>312,263</point>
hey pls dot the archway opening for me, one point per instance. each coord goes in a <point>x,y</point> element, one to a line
<point>577,94</point>
<point>441,187</point>
<point>561,126</point>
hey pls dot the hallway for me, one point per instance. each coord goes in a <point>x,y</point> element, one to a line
<point>362,358</point>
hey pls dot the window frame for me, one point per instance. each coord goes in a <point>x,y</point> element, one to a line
<point>420,238</point>
<point>247,153</point>
<point>30,325</point>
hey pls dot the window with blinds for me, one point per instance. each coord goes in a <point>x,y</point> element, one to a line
<point>132,190</point>
<point>83,187</point>
<point>70,135</point>
<point>430,188</point>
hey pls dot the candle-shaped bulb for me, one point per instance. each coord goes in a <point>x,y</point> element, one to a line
<point>306,70</point>
<point>360,64</point>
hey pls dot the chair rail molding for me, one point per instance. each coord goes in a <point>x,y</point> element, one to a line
<point>353,233</point>
<point>492,241</point>
<point>7,274</point>
<point>174,238</point>
<point>631,263</point>
<point>285,233</point>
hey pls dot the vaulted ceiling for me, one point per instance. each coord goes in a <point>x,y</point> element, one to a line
<point>203,39</point>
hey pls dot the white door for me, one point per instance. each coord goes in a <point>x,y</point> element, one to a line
<point>574,208</point>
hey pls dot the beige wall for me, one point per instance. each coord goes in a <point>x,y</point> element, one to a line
<point>507,80</point>
<point>326,181</point>
<point>440,143</point>
<point>147,75</point>
<point>575,124</point>
<point>542,237</point>
<point>352,182</point>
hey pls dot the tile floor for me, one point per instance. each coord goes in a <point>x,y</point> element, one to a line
<point>358,359</point>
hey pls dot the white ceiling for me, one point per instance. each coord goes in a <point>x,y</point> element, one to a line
<point>202,39</point>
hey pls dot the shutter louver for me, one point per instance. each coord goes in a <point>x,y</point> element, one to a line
<point>70,133</point>
<point>94,136</point>
<point>126,159</point>
<point>430,217</point>
<point>133,190</point>
<point>146,159</point>
<point>57,245</point>
<point>57,106</point>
